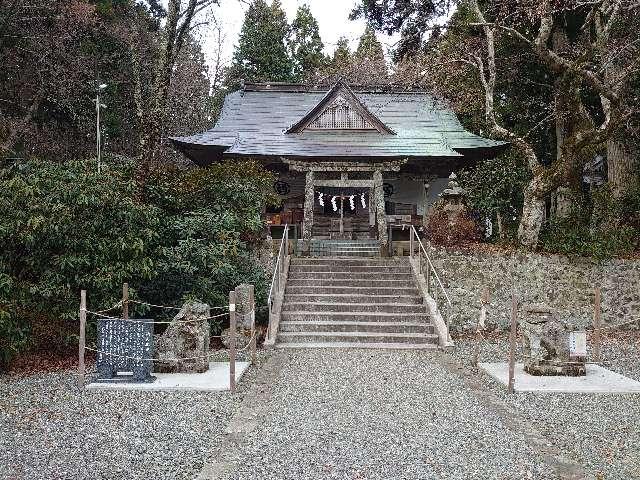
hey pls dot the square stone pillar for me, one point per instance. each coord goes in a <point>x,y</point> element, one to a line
<point>309,199</point>
<point>381,217</point>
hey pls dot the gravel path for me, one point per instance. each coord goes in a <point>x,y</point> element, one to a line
<point>51,430</point>
<point>379,415</point>
<point>322,414</point>
<point>599,431</point>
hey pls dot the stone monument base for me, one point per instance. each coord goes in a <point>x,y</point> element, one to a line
<point>553,368</point>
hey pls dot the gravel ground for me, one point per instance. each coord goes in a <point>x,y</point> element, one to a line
<point>599,431</point>
<point>380,415</point>
<point>347,414</point>
<point>51,430</point>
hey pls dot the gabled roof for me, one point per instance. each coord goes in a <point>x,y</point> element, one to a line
<point>254,123</point>
<point>340,91</point>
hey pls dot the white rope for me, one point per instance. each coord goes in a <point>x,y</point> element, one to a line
<point>607,327</point>
<point>117,305</point>
<point>171,308</point>
<point>133,320</point>
<point>140,359</point>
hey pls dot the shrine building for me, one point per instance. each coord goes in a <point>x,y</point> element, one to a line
<point>350,161</point>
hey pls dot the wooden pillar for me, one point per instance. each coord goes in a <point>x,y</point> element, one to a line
<point>597,317</point>
<point>252,306</point>
<point>512,343</point>
<point>381,217</point>
<point>125,301</point>
<point>81,342</point>
<point>232,341</point>
<point>309,200</point>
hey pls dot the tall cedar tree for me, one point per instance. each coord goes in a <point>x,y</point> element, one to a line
<point>305,45</point>
<point>412,19</point>
<point>370,65</point>
<point>261,54</point>
<point>342,55</point>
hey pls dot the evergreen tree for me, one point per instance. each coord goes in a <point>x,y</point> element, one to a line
<point>261,54</point>
<point>369,65</point>
<point>342,55</point>
<point>305,44</point>
<point>369,47</point>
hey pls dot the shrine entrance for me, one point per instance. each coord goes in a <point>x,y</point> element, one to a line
<point>339,177</point>
<point>343,214</point>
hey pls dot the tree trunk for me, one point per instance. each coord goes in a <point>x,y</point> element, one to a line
<point>623,162</point>
<point>532,216</point>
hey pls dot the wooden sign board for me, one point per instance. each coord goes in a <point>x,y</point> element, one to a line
<point>578,344</point>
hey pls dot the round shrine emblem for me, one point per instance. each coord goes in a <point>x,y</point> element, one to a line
<point>282,188</point>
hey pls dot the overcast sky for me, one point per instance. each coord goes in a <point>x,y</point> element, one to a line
<point>332,16</point>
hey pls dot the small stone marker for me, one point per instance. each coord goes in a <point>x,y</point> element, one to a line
<point>578,344</point>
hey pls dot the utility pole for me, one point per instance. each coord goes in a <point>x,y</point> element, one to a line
<point>99,105</point>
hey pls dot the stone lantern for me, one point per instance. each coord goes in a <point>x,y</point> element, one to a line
<point>453,197</point>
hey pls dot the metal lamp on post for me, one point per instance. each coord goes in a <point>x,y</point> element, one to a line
<point>99,105</point>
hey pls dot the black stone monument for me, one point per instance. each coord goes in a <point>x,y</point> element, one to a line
<point>125,349</point>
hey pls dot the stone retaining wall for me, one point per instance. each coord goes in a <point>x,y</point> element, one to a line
<point>566,284</point>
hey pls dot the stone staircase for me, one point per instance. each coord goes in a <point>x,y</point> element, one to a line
<point>353,302</point>
<point>343,248</point>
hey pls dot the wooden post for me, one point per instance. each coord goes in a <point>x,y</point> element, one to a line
<point>252,306</point>
<point>82,339</point>
<point>596,325</point>
<point>125,301</point>
<point>484,301</point>
<point>512,343</point>
<point>232,341</point>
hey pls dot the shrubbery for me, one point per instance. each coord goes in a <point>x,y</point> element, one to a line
<point>451,230</point>
<point>494,189</point>
<point>64,227</point>
<point>599,226</point>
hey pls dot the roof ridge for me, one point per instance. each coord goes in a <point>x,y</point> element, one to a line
<point>320,88</point>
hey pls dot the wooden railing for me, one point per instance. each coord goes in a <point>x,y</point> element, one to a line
<point>276,290</point>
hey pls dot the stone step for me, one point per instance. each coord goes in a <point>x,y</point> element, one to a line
<point>364,269</point>
<point>333,290</point>
<point>294,275</point>
<point>353,307</point>
<point>363,242</point>
<point>371,282</point>
<point>349,345</point>
<point>337,326</point>
<point>311,316</point>
<point>367,337</point>
<point>348,297</point>
<point>358,262</point>
<point>349,253</point>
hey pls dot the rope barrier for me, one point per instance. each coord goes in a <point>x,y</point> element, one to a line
<point>607,327</point>
<point>171,308</point>
<point>133,320</point>
<point>140,359</point>
<point>117,305</point>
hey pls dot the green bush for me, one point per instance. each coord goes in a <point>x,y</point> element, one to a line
<point>495,187</point>
<point>64,227</point>
<point>599,226</point>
